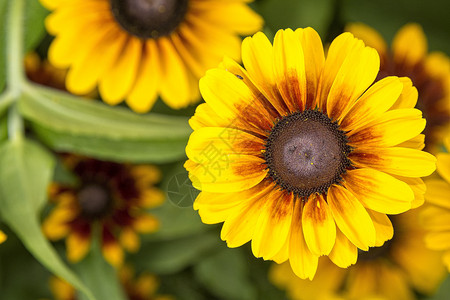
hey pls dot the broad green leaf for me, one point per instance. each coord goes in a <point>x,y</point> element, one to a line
<point>3,18</point>
<point>297,13</point>
<point>168,257</point>
<point>99,276</point>
<point>226,275</point>
<point>25,171</point>
<point>69,123</point>
<point>35,14</point>
<point>443,293</point>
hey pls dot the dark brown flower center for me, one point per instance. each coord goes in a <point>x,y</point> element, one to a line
<point>306,153</point>
<point>149,18</point>
<point>95,201</point>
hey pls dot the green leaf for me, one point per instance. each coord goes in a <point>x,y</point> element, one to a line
<point>3,18</point>
<point>168,257</point>
<point>226,275</point>
<point>297,13</point>
<point>25,171</point>
<point>70,123</point>
<point>35,14</point>
<point>100,276</point>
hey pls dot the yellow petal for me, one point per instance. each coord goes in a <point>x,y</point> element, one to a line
<point>383,227</point>
<point>379,191</point>
<point>344,253</point>
<point>302,261</point>
<point>357,72</point>
<point>314,62</point>
<point>145,223</point>
<point>369,35</point>
<point>438,240</point>
<point>408,97</point>
<point>77,246</point>
<point>3,237</point>
<point>351,217</point>
<point>443,165</point>
<point>174,74</point>
<point>239,227</point>
<point>438,193</point>
<point>409,45</point>
<point>417,186</point>
<point>436,218</point>
<point>113,253</point>
<point>289,68</point>
<point>144,93</point>
<point>395,160</point>
<point>129,240</point>
<point>205,116</point>
<point>373,103</point>
<point>392,128</point>
<point>225,173</point>
<point>273,226</point>
<point>61,289</point>
<point>319,228</point>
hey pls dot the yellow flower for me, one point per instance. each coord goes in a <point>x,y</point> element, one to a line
<point>137,49</point>
<point>429,72</point>
<point>111,195</point>
<point>304,155</point>
<point>398,270</point>
<point>437,214</point>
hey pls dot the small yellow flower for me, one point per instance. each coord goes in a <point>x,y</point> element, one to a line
<point>3,237</point>
<point>305,155</point>
<point>437,214</point>
<point>429,72</point>
<point>398,270</point>
<point>137,49</point>
<point>111,195</point>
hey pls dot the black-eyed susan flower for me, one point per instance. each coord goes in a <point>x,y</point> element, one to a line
<point>138,49</point>
<point>436,216</point>
<point>143,287</point>
<point>109,196</point>
<point>429,72</point>
<point>399,270</point>
<point>304,155</point>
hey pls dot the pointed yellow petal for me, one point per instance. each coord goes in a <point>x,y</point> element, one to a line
<point>369,35</point>
<point>409,45</point>
<point>351,217</point>
<point>145,223</point>
<point>129,240</point>
<point>113,253</point>
<point>319,228</point>
<point>383,227</point>
<point>77,246</point>
<point>379,191</point>
<point>344,253</point>
<point>408,97</point>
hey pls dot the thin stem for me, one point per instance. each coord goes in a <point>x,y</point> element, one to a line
<point>15,124</point>
<point>14,43</point>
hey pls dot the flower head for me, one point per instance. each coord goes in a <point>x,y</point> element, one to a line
<point>436,216</point>
<point>136,49</point>
<point>429,72</point>
<point>3,237</point>
<point>399,269</point>
<point>109,195</point>
<point>305,155</point>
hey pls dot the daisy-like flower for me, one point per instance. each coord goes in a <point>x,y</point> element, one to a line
<point>139,49</point>
<point>304,155</point>
<point>429,72</point>
<point>143,287</point>
<point>398,270</point>
<point>109,196</point>
<point>436,216</point>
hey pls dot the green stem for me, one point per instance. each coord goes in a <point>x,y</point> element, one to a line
<point>15,124</point>
<point>14,43</point>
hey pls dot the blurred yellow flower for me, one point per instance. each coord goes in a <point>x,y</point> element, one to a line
<point>395,271</point>
<point>304,155</point>
<point>136,49</point>
<point>429,72</point>
<point>111,195</point>
<point>3,237</point>
<point>437,214</point>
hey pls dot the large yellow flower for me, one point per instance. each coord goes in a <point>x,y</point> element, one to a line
<point>304,155</point>
<point>437,214</point>
<point>139,49</point>
<point>429,72</point>
<point>108,195</point>
<point>395,271</point>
